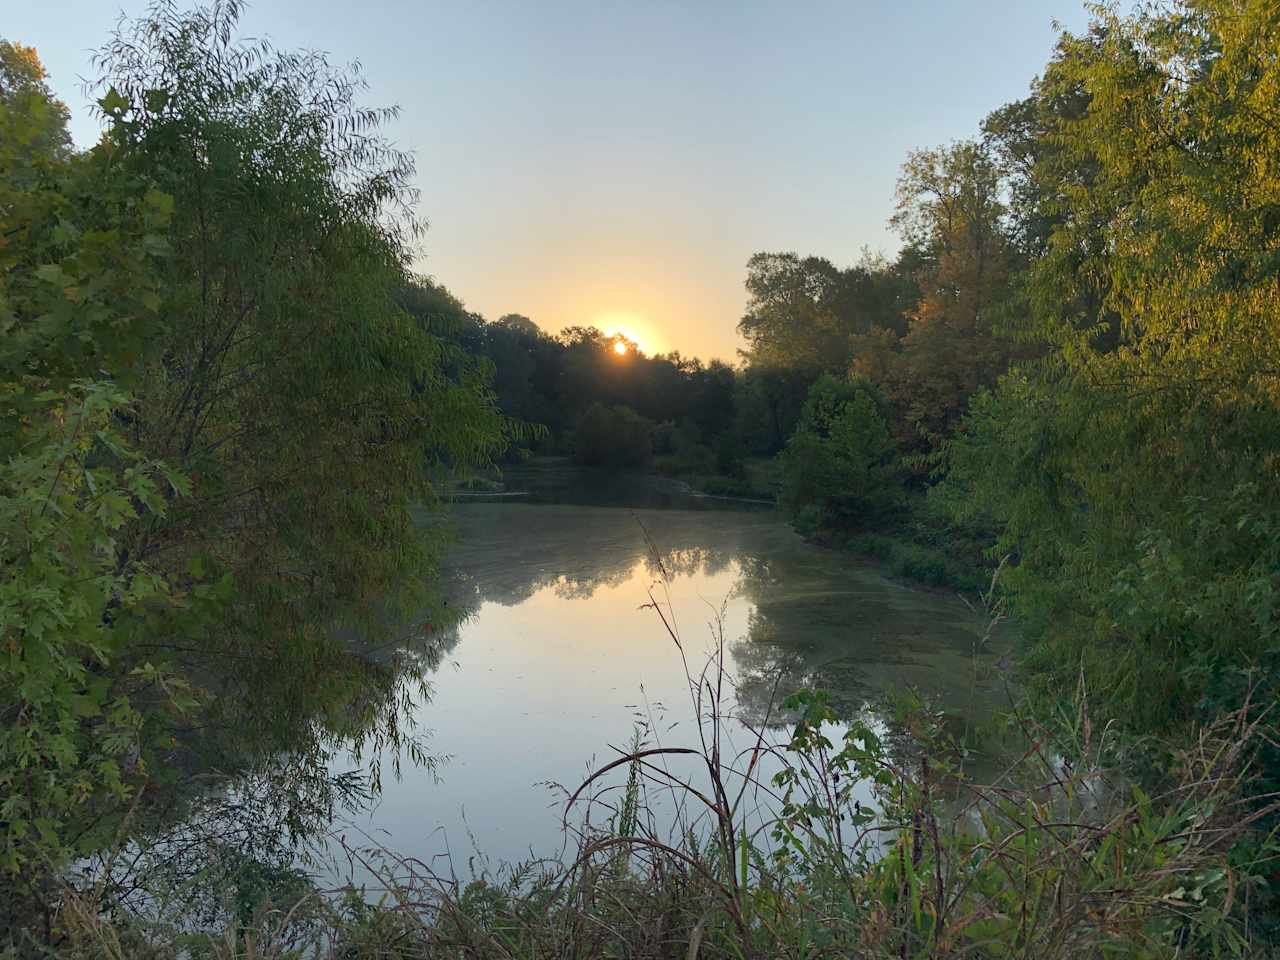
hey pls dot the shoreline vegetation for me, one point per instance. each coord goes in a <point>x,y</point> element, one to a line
<point>1061,859</point>
<point>231,415</point>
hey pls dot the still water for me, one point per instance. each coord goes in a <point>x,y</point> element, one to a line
<point>560,654</point>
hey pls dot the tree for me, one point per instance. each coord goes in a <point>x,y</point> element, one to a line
<point>612,437</point>
<point>520,325</point>
<point>838,467</point>
<point>769,401</point>
<point>25,92</point>
<point>79,290</point>
<point>802,313</point>
<point>1041,171</point>
<point>712,402</point>
<point>951,214</point>
<point>313,410</point>
<point>1134,468</point>
<point>217,417</point>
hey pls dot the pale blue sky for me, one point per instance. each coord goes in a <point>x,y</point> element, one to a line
<point>617,164</point>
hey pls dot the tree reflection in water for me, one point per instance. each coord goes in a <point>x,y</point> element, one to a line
<point>815,618</point>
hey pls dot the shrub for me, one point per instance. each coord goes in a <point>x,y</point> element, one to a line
<point>612,437</point>
<point>729,457</point>
<point>840,461</point>
<point>724,486</point>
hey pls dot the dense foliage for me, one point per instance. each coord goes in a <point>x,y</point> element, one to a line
<point>1132,470</point>
<point>1084,363</point>
<point>612,437</point>
<point>215,419</point>
<point>837,468</point>
<point>1086,383</point>
<point>551,381</point>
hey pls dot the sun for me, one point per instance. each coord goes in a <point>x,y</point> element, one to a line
<point>626,333</point>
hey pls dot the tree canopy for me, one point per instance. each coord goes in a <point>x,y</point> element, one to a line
<point>1133,468</point>
<point>216,417</point>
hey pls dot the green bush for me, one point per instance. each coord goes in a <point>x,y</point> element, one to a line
<point>669,437</point>
<point>681,451</point>
<point>838,467</point>
<point>934,566</point>
<point>612,437</point>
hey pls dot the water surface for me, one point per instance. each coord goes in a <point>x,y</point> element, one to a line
<point>560,654</point>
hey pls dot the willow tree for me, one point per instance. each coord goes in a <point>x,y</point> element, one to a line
<point>1135,468</point>
<point>213,289</point>
<point>310,410</point>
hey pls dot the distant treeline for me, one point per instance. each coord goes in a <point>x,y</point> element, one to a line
<point>551,381</point>
<point>924,328</point>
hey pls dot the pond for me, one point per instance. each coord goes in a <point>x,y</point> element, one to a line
<point>561,654</point>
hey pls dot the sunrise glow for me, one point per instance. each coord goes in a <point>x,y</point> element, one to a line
<point>630,329</point>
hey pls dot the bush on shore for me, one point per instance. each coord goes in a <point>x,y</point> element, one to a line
<point>612,437</point>
<point>838,467</point>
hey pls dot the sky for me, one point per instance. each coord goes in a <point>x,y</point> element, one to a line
<point>616,164</point>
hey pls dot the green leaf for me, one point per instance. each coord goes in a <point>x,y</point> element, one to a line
<point>113,104</point>
<point>156,100</point>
